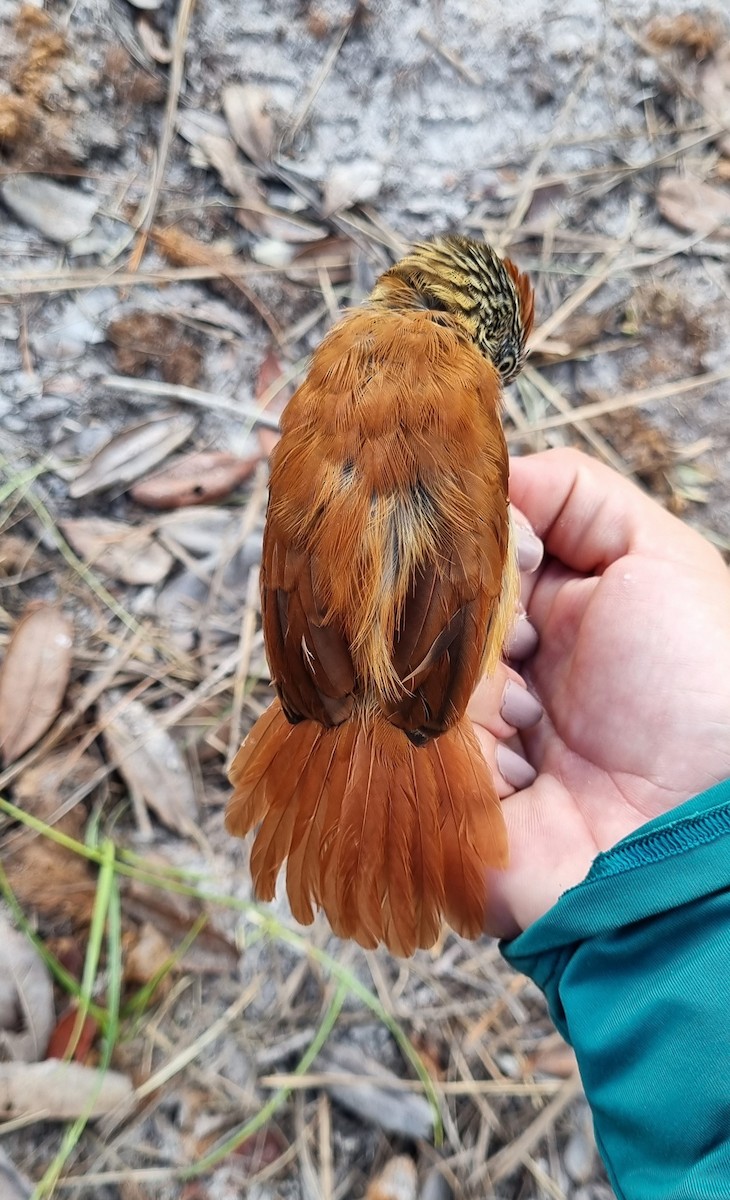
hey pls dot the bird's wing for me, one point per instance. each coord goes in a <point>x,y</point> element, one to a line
<point>310,661</point>
<point>460,600</point>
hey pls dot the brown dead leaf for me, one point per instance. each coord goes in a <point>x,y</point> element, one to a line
<point>46,878</point>
<point>262,1149</point>
<point>130,454</point>
<point>698,207</point>
<point>195,479</point>
<point>71,1040</point>
<point>246,109</point>
<point>700,33</point>
<point>143,340</point>
<point>556,1058</point>
<point>155,771</point>
<point>45,48</point>
<point>133,85</point>
<point>33,678</point>
<point>59,1091</point>
<point>146,951</point>
<point>333,256</point>
<point>270,372</point>
<point>26,998</point>
<point>16,555</point>
<point>397,1181</point>
<point>125,552</point>
<point>173,915</point>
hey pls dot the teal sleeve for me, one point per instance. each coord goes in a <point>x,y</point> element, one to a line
<point>635,965</point>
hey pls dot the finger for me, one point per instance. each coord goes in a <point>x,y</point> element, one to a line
<point>530,553</point>
<point>523,640</point>
<point>573,591</point>
<point>529,546</point>
<point>510,771</point>
<point>588,515</point>
<point>503,705</point>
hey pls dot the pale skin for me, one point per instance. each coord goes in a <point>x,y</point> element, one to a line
<point>630,660</point>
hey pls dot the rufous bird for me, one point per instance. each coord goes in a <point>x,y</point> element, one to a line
<point>388,586</point>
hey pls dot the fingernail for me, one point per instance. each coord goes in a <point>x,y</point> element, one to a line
<point>524,639</point>
<point>519,707</point>
<point>514,769</point>
<point>529,549</point>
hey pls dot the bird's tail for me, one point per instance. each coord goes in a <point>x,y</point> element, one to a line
<point>387,838</point>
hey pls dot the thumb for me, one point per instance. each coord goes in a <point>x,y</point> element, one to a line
<point>587,514</point>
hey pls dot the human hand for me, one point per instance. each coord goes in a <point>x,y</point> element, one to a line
<point>632,611</point>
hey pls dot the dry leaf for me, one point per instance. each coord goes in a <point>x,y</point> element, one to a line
<point>146,952</point>
<point>125,552</point>
<point>286,227</point>
<point>155,772</point>
<point>47,878</point>
<point>33,678</point>
<point>436,1187</point>
<point>270,372</point>
<point>351,183</point>
<point>147,339</point>
<point>333,256</point>
<point>153,42</point>
<point>60,213</point>
<point>700,33</point>
<point>221,154</point>
<point>397,1181</point>
<point>26,998</point>
<point>16,556</point>
<point>554,1059</point>
<point>125,457</point>
<point>69,1042</point>
<point>260,1150</point>
<point>13,1185</point>
<point>698,207</point>
<point>195,479</point>
<point>59,1091</point>
<point>173,916</point>
<point>195,123</point>
<point>403,1113</point>
<point>714,92</point>
<point>251,125</point>
<point>197,530</point>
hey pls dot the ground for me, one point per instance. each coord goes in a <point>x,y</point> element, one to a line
<point>233,175</point>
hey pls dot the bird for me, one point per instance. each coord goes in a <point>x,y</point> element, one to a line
<point>388,587</point>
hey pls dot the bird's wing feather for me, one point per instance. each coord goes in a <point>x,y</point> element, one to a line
<point>310,661</point>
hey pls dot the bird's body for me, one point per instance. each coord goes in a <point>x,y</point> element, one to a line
<point>388,586</point>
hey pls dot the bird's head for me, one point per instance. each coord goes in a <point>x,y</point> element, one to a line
<point>467,279</point>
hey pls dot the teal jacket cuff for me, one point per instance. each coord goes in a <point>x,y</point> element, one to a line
<point>635,965</point>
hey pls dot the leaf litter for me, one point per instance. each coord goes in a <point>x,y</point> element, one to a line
<point>26,998</point>
<point>33,678</point>
<point>293,221</point>
<point>130,454</point>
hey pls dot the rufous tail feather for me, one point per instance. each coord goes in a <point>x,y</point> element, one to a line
<point>389,839</point>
